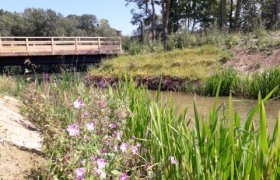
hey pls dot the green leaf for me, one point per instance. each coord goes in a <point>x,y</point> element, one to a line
<point>116,173</point>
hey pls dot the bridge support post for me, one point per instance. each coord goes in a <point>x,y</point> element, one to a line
<point>120,39</point>
<point>52,45</point>
<point>27,45</point>
<point>0,44</point>
<point>98,44</point>
<point>76,45</point>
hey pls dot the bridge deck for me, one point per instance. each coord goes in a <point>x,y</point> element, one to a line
<point>55,46</point>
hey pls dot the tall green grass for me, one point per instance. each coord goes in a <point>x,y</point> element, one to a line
<point>217,148</point>
<point>229,81</point>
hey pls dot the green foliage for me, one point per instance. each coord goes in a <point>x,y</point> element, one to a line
<point>181,40</point>
<point>10,86</point>
<point>232,40</point>
<point>263,82</point>
<point>211,148</point>
<point>229,81</point>
<point>40,22</point>
<point>186,63</point>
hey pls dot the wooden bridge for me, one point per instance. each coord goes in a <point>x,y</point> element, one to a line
<point>50,50</point>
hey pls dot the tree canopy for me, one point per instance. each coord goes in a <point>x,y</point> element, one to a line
<point>40,22</point>
<point>198,15</point>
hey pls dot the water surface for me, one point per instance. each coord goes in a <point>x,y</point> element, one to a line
<point>241,105</point>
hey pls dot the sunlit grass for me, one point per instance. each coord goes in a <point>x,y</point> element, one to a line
<point>193,63</point>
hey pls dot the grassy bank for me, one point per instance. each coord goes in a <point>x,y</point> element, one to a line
<point>125,133</point>
<point>195,63</point>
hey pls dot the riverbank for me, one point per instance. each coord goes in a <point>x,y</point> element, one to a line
<point>20,143</point>
<point>108,134</point>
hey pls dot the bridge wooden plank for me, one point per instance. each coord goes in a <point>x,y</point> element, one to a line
<point>43,46</point>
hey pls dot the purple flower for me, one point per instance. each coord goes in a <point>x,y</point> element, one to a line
<point>101,163</point>
<point>133,137</point>
<point>100,172</point>
<point>80,173</point>
<point>90,126</point>
<point>85,114</point>
<point>114,132</point>
<point>97,131</point>
<point>73,130</point>
<point>144,150</point>
<point>99,103</point>
<point>87,138</point>
<point>74,69</point>
<point>173,160</point>
<point>103,150</point>
<point>124,147</point>
<point>148,164</point>
<point>139,145</point>
<point>112,125</point>
<point>102,83</point>
<point>134,150</point>
<point>123,177</point>
<point>78,104</point>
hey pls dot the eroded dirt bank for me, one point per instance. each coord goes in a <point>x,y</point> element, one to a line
<point>20,142</point>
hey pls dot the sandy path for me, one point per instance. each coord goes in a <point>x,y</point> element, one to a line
<point>16,162</point>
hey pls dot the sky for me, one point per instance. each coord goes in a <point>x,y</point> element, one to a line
<point>114,11</point>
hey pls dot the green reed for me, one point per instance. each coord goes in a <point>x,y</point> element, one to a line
<point>217,148</point>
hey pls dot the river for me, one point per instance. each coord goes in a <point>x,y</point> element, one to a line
<point>241,105</point>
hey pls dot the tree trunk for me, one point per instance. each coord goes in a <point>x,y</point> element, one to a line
<point>276,13</point>
<point>237,14</point>
<point>222,17</point>
<point>230,15</point>
<point>153,20</point>
<point>165,13</point>
<point>142,31</point>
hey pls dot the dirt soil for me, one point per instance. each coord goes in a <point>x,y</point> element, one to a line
<point>20,143</point>
<point>245,61</point>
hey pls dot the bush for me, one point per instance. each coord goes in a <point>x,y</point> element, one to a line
<point>232,40</point>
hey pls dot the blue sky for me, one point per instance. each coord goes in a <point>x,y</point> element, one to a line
<point>114,11</point>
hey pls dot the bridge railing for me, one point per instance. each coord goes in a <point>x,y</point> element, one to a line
<point>59,45</point>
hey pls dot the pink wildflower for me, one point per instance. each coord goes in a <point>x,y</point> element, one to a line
<point>144,150</point>
<point>124,147</point>
<point>133,137</point>
<point>101,163</point>
<point>173,160</point>
<point>80,173</point>
<point>134,150</point>
<point>90,126</point>
<point>73,130</point>
<point>139,145</point>
<point>102,83</point>
<point>113,126</point>
<point>103,150</point>
<point>78,104</point>
<point>85,114</point>
<point>99,103</point>
<point>123,177</point>
<point>100,172</point>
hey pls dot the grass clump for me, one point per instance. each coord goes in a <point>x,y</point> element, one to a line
<point>193,63</point>
<point>10,86</point>
<point>229,81</point>
<point>262,82</point>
